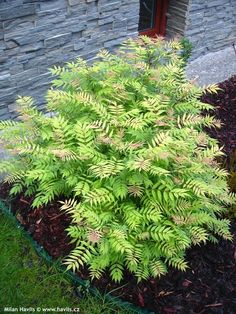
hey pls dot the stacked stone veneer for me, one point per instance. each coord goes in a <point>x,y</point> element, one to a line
<point>209,24</point>
<point>176,17</point>
<point>36,34</point>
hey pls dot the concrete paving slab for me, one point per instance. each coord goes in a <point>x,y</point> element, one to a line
<point>214,67</point>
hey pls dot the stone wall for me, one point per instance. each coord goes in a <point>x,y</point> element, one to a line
<point>176,17</point>
<point>36,34</point>
<point>211,25</point>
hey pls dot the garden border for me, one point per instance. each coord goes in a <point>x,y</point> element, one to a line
<point>5,208</point>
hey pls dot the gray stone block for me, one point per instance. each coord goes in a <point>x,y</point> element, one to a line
<point>32,47</point>
<point>114,43</point>
<point>23,23</point>
<point>22,39</point>
<point>73,2</point>
<point>5,80</point>
<point>111,6</point>
<point>3,59</point>
<point>7,94</point>
<point>50,5</point>
<point>36,62</point>
<point>106,27</point>
<point>58,40</point>
<point>34,1</point>
<point>79,45</point>
<point>74,25</point>
<point>12,12</point>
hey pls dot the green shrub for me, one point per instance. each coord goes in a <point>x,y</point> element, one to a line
<point>187,48</point>
<point>125,147</point>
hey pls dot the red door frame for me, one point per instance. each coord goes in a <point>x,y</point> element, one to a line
<point>160,21</point>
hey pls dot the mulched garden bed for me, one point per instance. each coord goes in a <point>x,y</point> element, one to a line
<point>209,285</point>
<point>225,110</point>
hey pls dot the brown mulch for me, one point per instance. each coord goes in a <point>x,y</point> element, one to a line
<point>208,286</point>
<point>225,110</point>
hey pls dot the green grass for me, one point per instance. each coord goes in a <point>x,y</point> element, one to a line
<point>27,281</point>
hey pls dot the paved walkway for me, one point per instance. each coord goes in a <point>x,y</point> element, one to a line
<point>214,67</point>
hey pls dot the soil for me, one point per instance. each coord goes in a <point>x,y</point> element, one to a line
<point>208,286</point>
<point>225,110</point>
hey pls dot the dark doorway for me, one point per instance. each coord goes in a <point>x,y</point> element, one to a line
<point>152,19</point>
